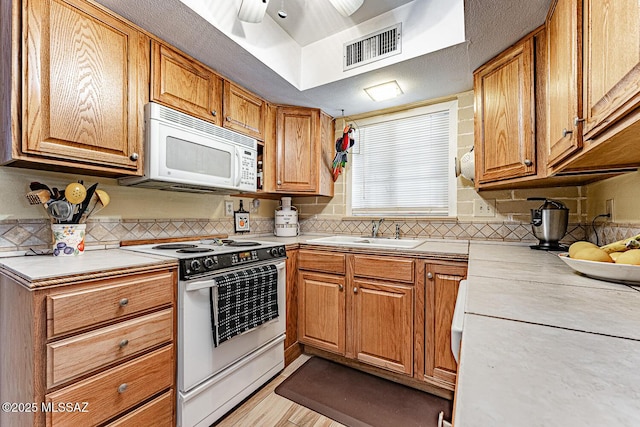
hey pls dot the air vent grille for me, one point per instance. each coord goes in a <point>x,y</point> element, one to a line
<point>206,127</point>
<point>373,47</point>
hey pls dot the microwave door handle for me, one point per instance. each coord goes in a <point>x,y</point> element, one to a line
<point>238,168</point>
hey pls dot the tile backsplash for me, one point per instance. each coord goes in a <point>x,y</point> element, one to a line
<point>22,235</point>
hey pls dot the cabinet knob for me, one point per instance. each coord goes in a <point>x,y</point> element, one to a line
<point>355,290</point>
<point>123,302</point>
<point>340,288</point>
<point>122,388</point>
<point>134,156</point>
<point>566,132</point>
<point>228,118</point>
<point>123,343</point>
<point>429,275</point>
<point>577,120</point>
<point>527,162</point>
<point>214,113</point>
<point>279,182</point>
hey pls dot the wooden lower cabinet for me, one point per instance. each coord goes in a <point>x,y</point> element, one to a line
<point>437,289</point>
<point>367,318</point>
<point>383,325</point>
<point>322,311</point>
<point>292,349</point>
<point>90,351</point>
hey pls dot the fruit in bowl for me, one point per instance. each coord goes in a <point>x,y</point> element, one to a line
<point>626,251</point>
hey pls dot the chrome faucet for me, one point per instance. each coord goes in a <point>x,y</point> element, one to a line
<point>375,226</point>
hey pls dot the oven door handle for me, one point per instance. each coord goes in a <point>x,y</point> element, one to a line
<point>202,284</point>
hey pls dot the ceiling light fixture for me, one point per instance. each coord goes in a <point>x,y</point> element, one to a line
<point>346,7</point>
<point>252,11</point>
<point>384,91</point>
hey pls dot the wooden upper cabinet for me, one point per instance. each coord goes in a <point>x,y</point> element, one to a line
<point>243,111</point>
<point>303,152</point>
<point>86,83</point>
<point>611,62</point>
<point>182,83</point>
<point>564,102</point>
<point>505,115</point>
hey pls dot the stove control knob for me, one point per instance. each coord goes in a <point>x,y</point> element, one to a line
<point>281,251</point>
<point>274,251</point>
<point>209,263</point>
<point>195,265</point>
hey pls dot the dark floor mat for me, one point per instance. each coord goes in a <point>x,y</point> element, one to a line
<point>355,398</point>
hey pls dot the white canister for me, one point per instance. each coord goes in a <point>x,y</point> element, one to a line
<point>286,222</point>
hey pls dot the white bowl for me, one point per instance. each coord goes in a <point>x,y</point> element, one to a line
<point>619,273</point>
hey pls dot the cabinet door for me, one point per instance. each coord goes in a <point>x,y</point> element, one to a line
<point>437,301</point>
<point>564,106</point>
<point>612,61</point>
<point>383,325</point>
<point>86,76</point>
<point>186,85</point>
<point>297,153</point>
<point>505,115</point>
<point>321,321</point>
<point>291,347</point>
<point>244,112</point>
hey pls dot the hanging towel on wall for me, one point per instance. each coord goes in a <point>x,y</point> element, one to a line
<point>243,300</point>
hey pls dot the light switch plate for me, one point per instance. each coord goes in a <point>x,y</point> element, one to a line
<point>228,208</point>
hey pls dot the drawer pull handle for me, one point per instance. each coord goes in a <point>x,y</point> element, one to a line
<point>123,343</point>
<point>124,302</point>
<point>122,388</point>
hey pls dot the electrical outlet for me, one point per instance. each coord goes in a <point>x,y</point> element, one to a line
<point>609,208</point>
<point>484,208</point>
<point>228,207</point>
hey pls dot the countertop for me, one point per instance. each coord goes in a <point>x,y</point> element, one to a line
<point>545,346</point>
<point>43,270</point>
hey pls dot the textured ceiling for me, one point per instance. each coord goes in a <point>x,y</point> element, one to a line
<point>490,25</point>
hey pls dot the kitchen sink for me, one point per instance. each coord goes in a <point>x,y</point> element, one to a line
<point>367,242</point>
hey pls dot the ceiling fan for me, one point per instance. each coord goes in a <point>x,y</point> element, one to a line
<point>253,11</point>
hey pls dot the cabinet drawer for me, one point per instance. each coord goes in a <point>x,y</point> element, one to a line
<point>378,267</point>
<point>109,300</point>
<point>157,413</point>
<point>115,390</point>
<point>71,357</point>
<point>321,261</point>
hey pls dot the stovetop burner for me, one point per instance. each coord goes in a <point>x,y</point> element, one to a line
<point>174,246</point>
<point>194,250</point>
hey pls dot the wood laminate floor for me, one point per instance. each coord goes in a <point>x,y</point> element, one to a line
<point>267,409</point>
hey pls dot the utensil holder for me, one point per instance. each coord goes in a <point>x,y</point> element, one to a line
<point>68,239</point>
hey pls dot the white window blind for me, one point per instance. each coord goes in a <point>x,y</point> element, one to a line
<point>402,166</point>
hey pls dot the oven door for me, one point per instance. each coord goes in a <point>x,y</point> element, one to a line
<point>198,357</point>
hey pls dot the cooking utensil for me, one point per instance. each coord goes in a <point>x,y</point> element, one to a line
<point>85,204</point>
<point>36,197</point>
<point>61,210</point>
<point>101,200</point>
<point>35,185</point>
<point>75,193</point>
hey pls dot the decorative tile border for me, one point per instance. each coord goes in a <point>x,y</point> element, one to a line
<point>21,235</point>
<point>439,229</point>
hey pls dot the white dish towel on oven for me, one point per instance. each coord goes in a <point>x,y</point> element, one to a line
<point>243,300</point>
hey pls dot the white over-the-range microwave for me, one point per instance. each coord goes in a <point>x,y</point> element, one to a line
<point>183,153</point>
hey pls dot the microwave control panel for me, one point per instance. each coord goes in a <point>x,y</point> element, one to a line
<point>248,166</point>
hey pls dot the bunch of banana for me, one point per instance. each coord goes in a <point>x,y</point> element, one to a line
<point>622,245</point>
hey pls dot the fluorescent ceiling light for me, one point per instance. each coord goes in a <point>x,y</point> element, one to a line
<point>346,7</point>
<point>384,91</point>
<point>252,10</point>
